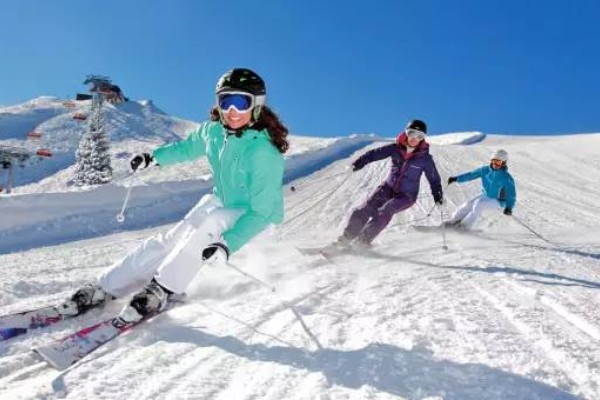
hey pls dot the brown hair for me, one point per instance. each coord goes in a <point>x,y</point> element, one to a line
<point>267,120</point>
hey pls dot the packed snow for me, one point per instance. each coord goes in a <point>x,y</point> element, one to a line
<point>510,311</point>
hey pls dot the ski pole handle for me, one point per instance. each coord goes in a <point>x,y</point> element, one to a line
<point>121,215</point>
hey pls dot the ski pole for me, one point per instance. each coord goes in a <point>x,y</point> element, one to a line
<point>531,230</point>
<point>247,275</point>
<point>121,215</point>
<point>294,187</point>
<point>444,246</point>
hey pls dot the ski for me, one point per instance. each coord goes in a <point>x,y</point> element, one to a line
<point>16,324</point>
<point>332,253</point>
<point>428,228</point>
<point>329,250</point>
<point>64,352</point>
<point>457,229</point>
<point>334,250</point>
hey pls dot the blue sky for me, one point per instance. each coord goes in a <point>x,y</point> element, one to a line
<point>332,67</point>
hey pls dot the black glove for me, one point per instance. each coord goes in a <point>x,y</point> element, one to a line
<point>141,161</point>
<point>508,211</point>
<point>451,180</point>
<point>214,252</point>
<point>439,200</point>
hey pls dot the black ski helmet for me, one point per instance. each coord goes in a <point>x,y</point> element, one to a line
<point>418,125</point>
<point>243,80</point>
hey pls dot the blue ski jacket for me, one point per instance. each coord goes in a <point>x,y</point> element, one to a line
<point>496,184</point>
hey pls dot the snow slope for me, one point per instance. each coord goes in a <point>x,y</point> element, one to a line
<point>502,314</point>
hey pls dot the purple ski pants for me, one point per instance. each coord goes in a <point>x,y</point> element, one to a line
<point>368,220</point>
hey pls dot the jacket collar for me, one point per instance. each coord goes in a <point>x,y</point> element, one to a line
<point>245,133</point>
<point>402,142</point>
<point>502,168</point>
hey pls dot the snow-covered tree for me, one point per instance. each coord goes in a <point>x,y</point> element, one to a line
<point>93,158</point>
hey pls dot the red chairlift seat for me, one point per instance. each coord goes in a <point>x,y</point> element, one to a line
<point>44,153</point>
<point>34,135</point>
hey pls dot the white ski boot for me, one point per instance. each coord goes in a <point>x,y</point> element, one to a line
<point>152,299</point>
<point>86,298</point>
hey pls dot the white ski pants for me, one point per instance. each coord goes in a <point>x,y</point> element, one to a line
<point>174,257</point>
<point>467,213</point>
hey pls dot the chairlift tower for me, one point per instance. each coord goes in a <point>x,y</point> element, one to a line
<point>97,83</point>
<point>10,156</point>
<point>103,87</point>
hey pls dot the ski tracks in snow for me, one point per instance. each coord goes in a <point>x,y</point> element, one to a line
<point>551,315</point>
<point>500,315</point>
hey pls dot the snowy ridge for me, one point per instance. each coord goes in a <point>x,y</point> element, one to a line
<point>16,121</point>
<point>458,138</point>
<point>503,314</point>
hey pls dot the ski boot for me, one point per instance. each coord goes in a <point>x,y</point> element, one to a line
<point>342,243</point>
<point>360,244</point>
<point>152,299</point>
<point>456,225</point>
<point>88,297</point>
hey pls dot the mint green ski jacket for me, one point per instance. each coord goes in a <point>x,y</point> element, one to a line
<point>247,174</point>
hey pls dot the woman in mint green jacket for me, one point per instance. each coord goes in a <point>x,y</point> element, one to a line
<point>244,143</point>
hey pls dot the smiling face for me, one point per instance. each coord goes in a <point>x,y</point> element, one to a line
<point>235,119</point>
<point>497,164</point>
<point>414,137</point>
<point>413,141</point>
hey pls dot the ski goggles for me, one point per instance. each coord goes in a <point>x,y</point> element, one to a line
<point>415,134</point>
<point>496,162</point>
<point>239,101</point>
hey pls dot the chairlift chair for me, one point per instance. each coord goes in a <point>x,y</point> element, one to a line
<point>44,153</point>
<point>34,135</point>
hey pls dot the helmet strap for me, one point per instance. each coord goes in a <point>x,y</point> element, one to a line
<point>256,114</point>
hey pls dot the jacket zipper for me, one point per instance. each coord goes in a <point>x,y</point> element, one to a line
<point>226,140</point>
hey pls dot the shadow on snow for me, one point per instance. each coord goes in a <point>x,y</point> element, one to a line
<point>391,369</point>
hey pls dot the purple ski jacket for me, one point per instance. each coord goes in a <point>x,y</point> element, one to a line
<point>407,168</point>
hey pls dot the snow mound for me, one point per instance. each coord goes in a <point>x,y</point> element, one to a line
<point>464,138</point>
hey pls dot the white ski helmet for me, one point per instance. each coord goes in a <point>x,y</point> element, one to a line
<point>500,154</point>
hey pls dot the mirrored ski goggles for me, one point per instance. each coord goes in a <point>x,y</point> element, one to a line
<point>241,102</point>
<point>415,134</point>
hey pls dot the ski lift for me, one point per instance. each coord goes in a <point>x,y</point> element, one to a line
<point>44,153</point>
<point>80,116</point>
<point>34,135</point>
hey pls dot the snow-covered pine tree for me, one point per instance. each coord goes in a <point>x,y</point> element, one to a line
<point>93,158</point>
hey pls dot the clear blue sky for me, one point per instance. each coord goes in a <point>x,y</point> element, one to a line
<point>332,67</point>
